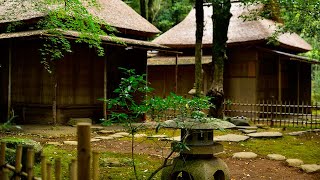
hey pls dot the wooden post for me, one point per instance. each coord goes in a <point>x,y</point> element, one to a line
<point>2,157</point>
<point>5,174</point>
<point>176,75</point>
<point>18,165</point>
<point>49,167</point>
<point>105,88</point>
<point>279,81</point>
<point>43,168</point>
<point>9,79</point>
<point>95,165</point>
<point>73,170</point>
<point>57,169</point>
<point>298,83</point>
<point>30,161</point>
<point>84,150</point>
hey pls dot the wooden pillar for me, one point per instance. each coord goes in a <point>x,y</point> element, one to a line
<point>298,82</point>
<point>105,88</point>
<point>84,151</point>
<point>9,79</point>
<point>279,81</point>
<point>176,75</point>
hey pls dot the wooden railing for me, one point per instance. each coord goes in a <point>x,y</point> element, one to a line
<point>83,162</point>
<point>276,113</point>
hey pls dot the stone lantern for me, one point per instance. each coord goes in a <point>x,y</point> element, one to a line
<point>198,161</point>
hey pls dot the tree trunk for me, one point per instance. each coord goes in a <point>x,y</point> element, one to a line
<point>220,20</point>
<point>150,10</point>
<point>143,12</point>
<point>198,47</point>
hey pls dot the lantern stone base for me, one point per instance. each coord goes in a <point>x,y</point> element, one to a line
<point>192,168</point>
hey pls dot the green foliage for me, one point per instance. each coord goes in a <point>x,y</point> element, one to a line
<point>167,13</point>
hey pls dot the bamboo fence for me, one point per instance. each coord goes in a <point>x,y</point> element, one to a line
<point>276,113</point>
<point>83,161</point>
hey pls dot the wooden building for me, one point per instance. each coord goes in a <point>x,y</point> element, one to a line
<point>254,71</point>
<point>82,76</point>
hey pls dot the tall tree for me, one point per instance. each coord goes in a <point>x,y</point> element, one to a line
<point>220,20</point>
<point>198,46</point>
<point>143,11</point>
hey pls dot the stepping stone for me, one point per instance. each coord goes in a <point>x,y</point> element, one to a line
<point>105,137</point>
<point>277,157</point>
<point>177,138</point>
<point>96,128</point>
<point>231,138</point>
<point>310,168</point>
<point>54,143</point>
<point>244,155</point>
<point>158,136</point>
<point>140,135</point>
<point>116,136</point>
<point>106,131</point>
<point>72,143</point>
<point>111,162</point>
<point>265,135</point>
<point>316,130</point>
<point>246,127</point>
<point>94,140</point>
<point>297,133</point>
<point>125,134</point>
<point>294,162</point>
<point>247,131</point>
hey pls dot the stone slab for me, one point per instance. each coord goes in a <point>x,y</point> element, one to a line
<point>297,133</point>
<point>125,134</point>
<point>176,138</point>
<point>310,168</point>
<point>277,157</point>
<point>54,143</point>
<point>158,136</point>
<point>244,155</point>
<point>294,162</point>
<point>140,135</point>
<point>95,140</point>
<point>246,127</point>
<point>104,137</point>
<point>116,136</point>
<point>265,135</point>
<point>106,131</point>
<point>72,143</point>
<point>231,138</point>
<point>247,131</point>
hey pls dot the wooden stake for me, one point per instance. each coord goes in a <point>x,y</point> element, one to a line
<point>73,170</point>
<point>95,165</point>
<point>49,165</point>
<point>43,167</point>
<point>30,161</point>
<point>57,168</point>
<point>18,161</point>
<point>84,150</point>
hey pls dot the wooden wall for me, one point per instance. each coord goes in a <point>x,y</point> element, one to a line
<point>240,75</point>
<point>79,76</point>
<point>162,79</point>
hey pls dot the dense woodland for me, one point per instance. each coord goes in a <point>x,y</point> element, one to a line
<point>298,16</point>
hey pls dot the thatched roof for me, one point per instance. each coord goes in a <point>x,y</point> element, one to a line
<point>171,60</point>
<point>115,12</point>
<point>240,31</point>
<point>105,39</point>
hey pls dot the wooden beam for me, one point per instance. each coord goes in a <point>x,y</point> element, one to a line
<point>9,79</point>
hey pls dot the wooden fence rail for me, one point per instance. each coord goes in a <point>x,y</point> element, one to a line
<point>276,113</point>
<point>84,159</point>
